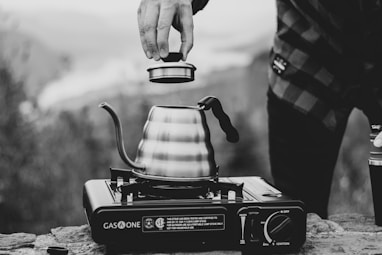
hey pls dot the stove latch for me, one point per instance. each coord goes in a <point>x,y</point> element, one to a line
<point>250,231</point>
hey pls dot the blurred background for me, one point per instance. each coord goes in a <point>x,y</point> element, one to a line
<point>60,59</point>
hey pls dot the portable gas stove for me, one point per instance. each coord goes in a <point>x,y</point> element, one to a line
<point>226,213</point>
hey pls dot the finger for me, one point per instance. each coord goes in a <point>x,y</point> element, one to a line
<point>150,30</point>
<point>166,16</point>
<point>378,140</point>
<point>140,15</point>
<point>187,30</point>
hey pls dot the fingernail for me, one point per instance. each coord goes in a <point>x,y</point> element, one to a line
<point>148,54</point>
<point>184,54</point>
<point>156,56</point>
<point>378,143</point>
<point>163,53</point>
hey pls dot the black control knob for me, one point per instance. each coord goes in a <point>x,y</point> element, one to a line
<point>278,228</point>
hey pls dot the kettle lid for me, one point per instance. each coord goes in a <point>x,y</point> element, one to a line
<point>172,71</point>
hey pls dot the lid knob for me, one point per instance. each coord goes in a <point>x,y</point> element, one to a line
<point>173,57</point>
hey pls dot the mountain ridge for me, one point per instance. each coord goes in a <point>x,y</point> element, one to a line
<point>30,61</point>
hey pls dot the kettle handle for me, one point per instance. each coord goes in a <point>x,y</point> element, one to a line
<point>210,102</point>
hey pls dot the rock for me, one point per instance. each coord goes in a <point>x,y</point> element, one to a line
<point>72,234</point>
<point>356,222</point>
<point>17,240</point>
<point>78,240</point>
<point>44,241</point>
<point>341,234</point>
<point>87,248</point>
<point>316,225</point>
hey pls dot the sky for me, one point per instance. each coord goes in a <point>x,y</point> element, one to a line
<point>102,38</point>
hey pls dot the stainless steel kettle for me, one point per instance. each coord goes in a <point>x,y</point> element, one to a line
<point>176,142</point>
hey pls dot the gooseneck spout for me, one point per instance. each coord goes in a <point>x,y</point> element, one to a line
<point>119,137</point>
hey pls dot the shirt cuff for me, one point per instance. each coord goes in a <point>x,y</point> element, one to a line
<point>198,5</point>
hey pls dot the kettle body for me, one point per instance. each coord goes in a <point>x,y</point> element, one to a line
<point>176,142</point>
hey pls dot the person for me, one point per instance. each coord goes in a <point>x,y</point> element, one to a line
<point>325,61</point>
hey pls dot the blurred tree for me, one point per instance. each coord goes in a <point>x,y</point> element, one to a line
<point>243,159</point>
<point>43,167</point>
<point>71,154</point>
<point>17,154</point>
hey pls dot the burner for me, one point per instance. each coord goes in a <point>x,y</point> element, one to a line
<point>149,189</point>
<point>143,188</point>
<point>160,190</point>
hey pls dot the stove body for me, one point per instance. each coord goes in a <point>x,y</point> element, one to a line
<point>239,213</point>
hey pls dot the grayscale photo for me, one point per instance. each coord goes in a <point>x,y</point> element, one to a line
<point>190,127</point>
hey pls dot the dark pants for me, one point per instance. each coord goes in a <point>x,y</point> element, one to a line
<point>303,154</point>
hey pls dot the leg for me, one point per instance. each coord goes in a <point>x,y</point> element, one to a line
<point>303,154</point>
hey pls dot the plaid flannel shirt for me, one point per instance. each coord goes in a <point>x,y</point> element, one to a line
<point>326,56</point>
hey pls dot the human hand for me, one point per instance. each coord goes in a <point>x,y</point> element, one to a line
<point>155,18</point>
<point>378,140</point>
